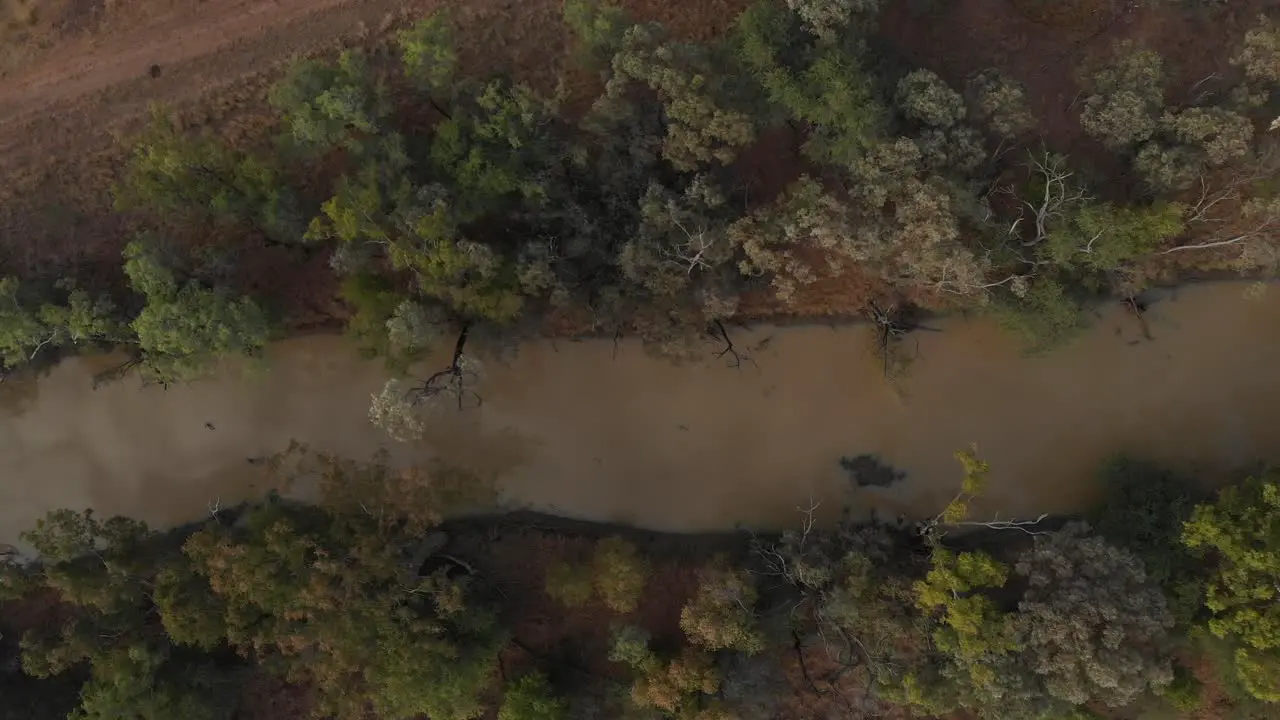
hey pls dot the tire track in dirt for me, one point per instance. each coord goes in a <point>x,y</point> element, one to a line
<point>68,105</point>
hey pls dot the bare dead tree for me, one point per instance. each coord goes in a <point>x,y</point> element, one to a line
<point>736,356</point>
<point>117,372</point>
<point>1262,219</point>
<point>1059,193</point>
<point>1139,310</point>
<point>1223,204</point>
<point>691,253</point>
<point>456,381</point>
<point>891,327</point>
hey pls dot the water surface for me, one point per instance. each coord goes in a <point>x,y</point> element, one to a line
<point>571,428</point>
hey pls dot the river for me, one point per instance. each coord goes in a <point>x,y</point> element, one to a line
<point>575,429</point>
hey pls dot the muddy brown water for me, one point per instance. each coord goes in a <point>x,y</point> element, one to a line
<point>572,429</point>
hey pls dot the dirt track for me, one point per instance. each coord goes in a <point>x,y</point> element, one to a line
<point>67,100</point>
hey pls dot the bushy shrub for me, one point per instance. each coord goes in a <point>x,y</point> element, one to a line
<point>185,327</point>
<point>428,53</point>
<point>924,97</point>
<point>1127,96</point>
<point>569,584</point>
<point>620,574</point>
<point>531,698</point>
<point>1096,628</point>
<point>1260,54</point>
<point>1001,103</point>
<point>327,105</point>
<point>598,27</point>
<point>1044,317</point>
<point>1241,533</point>
<point>722,614</point>
<point>826,18</point>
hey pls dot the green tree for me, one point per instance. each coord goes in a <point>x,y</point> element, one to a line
<point>1043,316</point>
<point>971,627</point>
<point>696,94</point>
<point>103,571</point>
<point>1240,534</point>
<point>421,229</point>
<point>1001,103</point>
<point>821,84</point>
<point>78,321</point>
<point>326,591</point>
<point>496,150</point>
<point>170,172</point>
<point>1127,97</point>
<point>331,104</point>
<point>185,327</point>
<point>531,698</point>
<point>599,29</point>
<point>924,97</point>
<point>1103,236</point>
<point>428,52</point>
<point>975,661</point>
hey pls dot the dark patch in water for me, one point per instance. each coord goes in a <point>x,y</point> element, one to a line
<point>870,471</point>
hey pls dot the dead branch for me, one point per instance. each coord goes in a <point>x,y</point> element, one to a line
<point>998,524</point>
<point>1058,194</point>
<point>1138,312</point>
<point>454,381</point>
<point>691,253</point>
<point>739,356</point>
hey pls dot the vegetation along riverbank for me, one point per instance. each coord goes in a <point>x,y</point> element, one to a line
<point>1159,603</point>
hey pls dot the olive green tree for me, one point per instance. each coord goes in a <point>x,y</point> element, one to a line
<point>28,326</point>
<point>327,105</point>
<point>1096,628</point>
<point>326,591</point>
<point>1239,534</point>
<point>531,698</point>
<point>721,616</point>
<point>703,126</point>
<point>1001,103</point>
<point>103,571</point>
<point>821,84</point>
<point>428,53</point>
<point>621,574</point>
<point>185,327</point>
<point>194,177</point>
<point>1127,95</point>
<point>1192,142</point>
